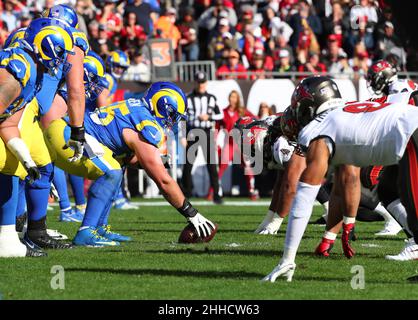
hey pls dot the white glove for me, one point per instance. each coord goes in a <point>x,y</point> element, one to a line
<point>282,269</point>
<point>270,225</point>
<point>202,224</point>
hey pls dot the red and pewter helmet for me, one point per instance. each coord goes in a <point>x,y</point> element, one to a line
<point>380,75</point>
<point>311,97</point>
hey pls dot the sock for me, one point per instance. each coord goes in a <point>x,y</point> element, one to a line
<point>349,220</point>
<point>119,195</point>
<point>37,194</point>
<point>77,185</point>
<point>380,209</point>
<point>101,192</point>
<point>8,199</point>
<point>398,211</point>
<point>330,235</point>
<point>21,203</point>
<point>60,183</point>
<point>104,217</point>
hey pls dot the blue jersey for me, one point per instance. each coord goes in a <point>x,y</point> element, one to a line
<point>19,63</point>
<point>51,84</point>
<point>107,123</point>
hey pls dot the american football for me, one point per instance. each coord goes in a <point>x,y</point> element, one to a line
<point>190,235</point>
<point>250,150</point>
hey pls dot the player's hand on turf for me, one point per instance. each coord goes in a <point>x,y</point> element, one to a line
<point>33,174</point>
<point>270,225</point>
<point>76,142</point>
<point>202,225</point>
<point>282,269</point>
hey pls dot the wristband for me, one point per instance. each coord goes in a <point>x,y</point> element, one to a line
<point>187,209</point>
<point>77,133</point>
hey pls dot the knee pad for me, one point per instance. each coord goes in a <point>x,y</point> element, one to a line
<point>107,185</point>
<point>47,174</point>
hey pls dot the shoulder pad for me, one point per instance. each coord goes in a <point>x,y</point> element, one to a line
<point>17,65</point>
<point>151,131</point>
<point>80,40</point>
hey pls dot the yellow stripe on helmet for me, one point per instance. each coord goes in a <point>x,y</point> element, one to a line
<point>115,57</point>
<point>181,106</point>
<point>49,30</point>
<point>99,66</point>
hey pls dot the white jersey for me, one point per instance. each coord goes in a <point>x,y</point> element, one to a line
<point>364,133</point>
<point>282,152</point>
<point>402,86</point>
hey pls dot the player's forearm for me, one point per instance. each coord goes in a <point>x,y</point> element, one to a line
<point>75,87</point>
<point>274,204</point>
<point>171,191</point>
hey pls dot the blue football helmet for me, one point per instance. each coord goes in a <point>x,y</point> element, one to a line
<point>51,41</point>
<point>14,37</point>
<point>117,62</point>
<point>94,71</point>
<point>167,102</point>
<point>62,12</point>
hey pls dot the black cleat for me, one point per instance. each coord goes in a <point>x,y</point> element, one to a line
<point>32,250</point>
<point>44,241</point>
<point>35,253</point>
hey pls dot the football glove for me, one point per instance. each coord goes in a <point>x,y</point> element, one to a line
<point>33,173</point>
<point>202,225</point>
<point>76,142</point>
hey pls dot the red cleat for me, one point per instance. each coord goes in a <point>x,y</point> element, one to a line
<point>345,240</point>
<point>324,248</point>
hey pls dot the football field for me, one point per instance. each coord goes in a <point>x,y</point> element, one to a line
<point>155,266</point>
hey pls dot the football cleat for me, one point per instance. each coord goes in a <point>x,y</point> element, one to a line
<point>345,240</point>
<point>45,241</point>
<point>71,215</point>
<point>32,250</point>
<point>56,234</point>
<point>124,204</point>
<point>218,200</point>
<point>90,238</point>
<point>324,248</point>
<point>320,221</point>
<point>392,228</point>
<point>409,252</point>
<point>105,231</point>
<point>282,270</point>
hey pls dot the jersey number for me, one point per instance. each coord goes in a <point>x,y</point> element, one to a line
<point>367,106</point>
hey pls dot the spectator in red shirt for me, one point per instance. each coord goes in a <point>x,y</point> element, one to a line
<point>260,64</point>
<point>110,18</point>
<point>232,66</point>
<point>188,30</point>
<point>232,113</point>
<point>132,34</point>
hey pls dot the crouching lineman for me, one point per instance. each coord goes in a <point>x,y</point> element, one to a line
<point>44,49</point>
<point>347,136</point>
<point>132,130</point>
<point>278,153</point>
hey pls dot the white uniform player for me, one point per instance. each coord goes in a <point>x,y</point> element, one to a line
<point>356,134</point>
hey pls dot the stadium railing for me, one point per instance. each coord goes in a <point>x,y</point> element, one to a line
<point>185,71</point>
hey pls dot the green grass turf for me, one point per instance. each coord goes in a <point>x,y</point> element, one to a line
<point>154,266</point>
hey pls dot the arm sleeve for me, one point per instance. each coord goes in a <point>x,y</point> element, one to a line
<point>217,113</point>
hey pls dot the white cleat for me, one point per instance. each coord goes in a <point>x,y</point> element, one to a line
<point>270,225</point>
<point>409,253</point>
<point>56,234</point>
<point>282,270</point>
<point>392,228</point>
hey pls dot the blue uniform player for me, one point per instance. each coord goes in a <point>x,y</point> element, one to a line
<point>37,194</point>
<point>44,49</point>
<point>129,131</point>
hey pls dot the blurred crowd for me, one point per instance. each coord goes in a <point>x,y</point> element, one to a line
<point>341,37</point>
